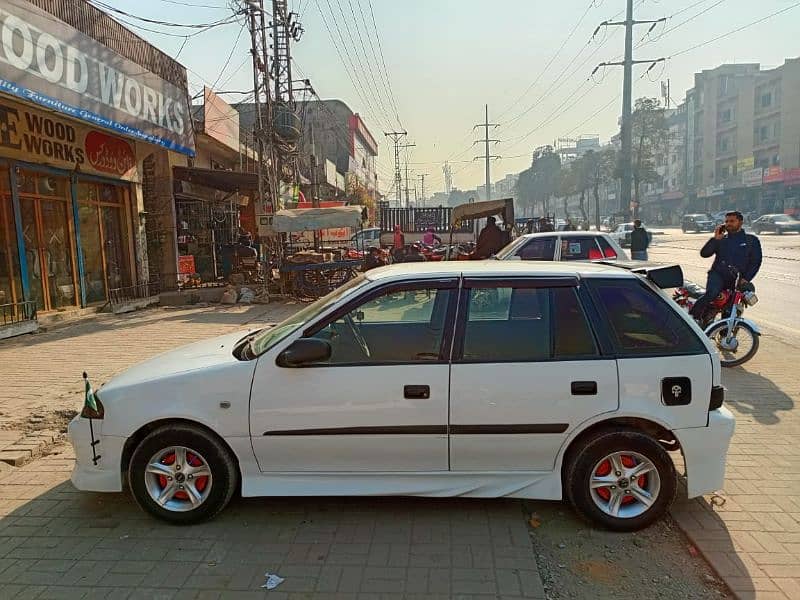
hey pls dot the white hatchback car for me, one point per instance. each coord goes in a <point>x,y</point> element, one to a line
<point>480,379</point>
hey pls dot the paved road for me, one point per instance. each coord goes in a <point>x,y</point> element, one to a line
<point>777,283</point>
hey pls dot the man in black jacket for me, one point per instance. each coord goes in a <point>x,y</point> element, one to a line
<point>639,241</point>
<point>736,252</point>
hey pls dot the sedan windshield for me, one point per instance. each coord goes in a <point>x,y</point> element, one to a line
<point>784,219</point>
<point>267,338</point>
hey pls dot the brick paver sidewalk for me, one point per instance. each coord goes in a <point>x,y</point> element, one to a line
<point>56,542</point>
<point>41,373</point>
<point>753,540</point>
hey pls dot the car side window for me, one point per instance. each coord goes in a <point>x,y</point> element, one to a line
<point>538,249</point>
<point>398,327</point>
<point>507,324</point>
<point>641,322</point>
<point>579,248</point>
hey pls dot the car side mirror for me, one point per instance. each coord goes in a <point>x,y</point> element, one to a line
<point>304,351</point>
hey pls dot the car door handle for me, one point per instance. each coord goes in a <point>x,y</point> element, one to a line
<point>584,388</point>
<point>417,392</point>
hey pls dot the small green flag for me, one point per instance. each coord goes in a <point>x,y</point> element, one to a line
<point>89,401</point>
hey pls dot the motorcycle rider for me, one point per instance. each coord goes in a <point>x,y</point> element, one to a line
<point>736,252</point>
<point>429,238</point>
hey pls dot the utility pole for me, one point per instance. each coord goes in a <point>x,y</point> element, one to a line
<point>487,156</point>
<point>626,131</point>
<point>396,136</point>
<point>258,67</point>
<point>422,177</point>
<point>407,146</point>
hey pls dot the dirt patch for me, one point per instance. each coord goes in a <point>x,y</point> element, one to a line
<point>577,561</point>
<point>40,420</point>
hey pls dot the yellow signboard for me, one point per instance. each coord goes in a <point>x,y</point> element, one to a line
<point>745,164</point>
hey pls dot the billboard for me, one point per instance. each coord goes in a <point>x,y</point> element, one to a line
<point>752,178</point>
<point>220,120</point>
<point>48,62</point>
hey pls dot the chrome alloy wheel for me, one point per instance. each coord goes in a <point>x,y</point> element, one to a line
<point>178,478</point>
<point>624,484</point>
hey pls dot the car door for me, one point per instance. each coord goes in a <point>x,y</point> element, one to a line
<point>665,368</point>
<point>379,403</point>
<point>526,372</point>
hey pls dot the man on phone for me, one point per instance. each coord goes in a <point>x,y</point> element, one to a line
<point>736,252</point>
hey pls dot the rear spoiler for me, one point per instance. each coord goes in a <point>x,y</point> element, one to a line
<point>663,276</point>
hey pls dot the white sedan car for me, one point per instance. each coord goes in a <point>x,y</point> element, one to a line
<point>479,379</point>
<point>563,245</point>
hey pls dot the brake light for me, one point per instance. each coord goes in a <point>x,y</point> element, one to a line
<point>717,397</point>
<point>610,253</point>
<point>594,254</point>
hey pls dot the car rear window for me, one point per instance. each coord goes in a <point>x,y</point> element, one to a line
<point>640,322</point>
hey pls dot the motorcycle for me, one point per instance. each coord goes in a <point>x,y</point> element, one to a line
<point>735,337</point>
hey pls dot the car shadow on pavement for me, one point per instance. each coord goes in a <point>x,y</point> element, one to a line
<point>755,395</point>
<point>68,543</point>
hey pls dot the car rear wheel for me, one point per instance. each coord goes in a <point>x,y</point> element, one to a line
<point>182,474</point>
<point>621,480</point>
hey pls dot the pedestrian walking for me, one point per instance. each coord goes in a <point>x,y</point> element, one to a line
<point>640,240</point>
<point>735,252</point>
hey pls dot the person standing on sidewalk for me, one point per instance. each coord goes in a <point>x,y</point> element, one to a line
<point>640,240</point>
<point>736,252</point>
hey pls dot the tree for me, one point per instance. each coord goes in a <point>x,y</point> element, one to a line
<point>539,183</point>
<point>650,134</point>
<point>599,168</point>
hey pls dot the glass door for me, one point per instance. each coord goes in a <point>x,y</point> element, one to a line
<point>10,284</point>
<point>49,240</point>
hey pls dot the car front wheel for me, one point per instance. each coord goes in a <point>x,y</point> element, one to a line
<point>182,474</point>
<point>622,480</point>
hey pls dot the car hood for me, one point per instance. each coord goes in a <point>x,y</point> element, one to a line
<point>209,353</point>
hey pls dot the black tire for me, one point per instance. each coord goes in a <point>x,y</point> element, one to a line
<point>601,445</point>
<point>745,357</point>
<point>683,229</point>
<point>224,474</point>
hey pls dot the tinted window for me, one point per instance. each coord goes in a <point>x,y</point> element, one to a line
<point>397,327</point>
<point>538,249</point>
<point>641,322</point>
<point>579,248</point>
<point>522,325</point>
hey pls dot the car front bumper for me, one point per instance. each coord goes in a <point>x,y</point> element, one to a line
<point>97,471</point>
<point>705,452</point>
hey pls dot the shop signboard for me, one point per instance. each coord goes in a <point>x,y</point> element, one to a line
<point>752,178</point>
<point>48,138</point>
<point>745,164</point>
<point>773,175</point>
<point>791,176</point>
<point>50,63</point>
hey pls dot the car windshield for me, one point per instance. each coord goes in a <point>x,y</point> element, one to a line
<point>267,338</point>
<point>511,249</point>
<point>783,219</point>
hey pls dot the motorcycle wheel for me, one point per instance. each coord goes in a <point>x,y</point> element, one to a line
<point>746,338</point>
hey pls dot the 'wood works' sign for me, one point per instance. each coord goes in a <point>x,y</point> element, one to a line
<point>46,138</point>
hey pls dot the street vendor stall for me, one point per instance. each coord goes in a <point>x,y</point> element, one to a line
<point>473,211</point>
<point>311,274</point>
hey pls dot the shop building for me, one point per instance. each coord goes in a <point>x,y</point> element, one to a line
<point>92,120</point>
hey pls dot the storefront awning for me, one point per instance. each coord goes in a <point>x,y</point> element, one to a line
<point>226,181</point>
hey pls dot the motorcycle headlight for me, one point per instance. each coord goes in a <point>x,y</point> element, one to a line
<point>750,298</point>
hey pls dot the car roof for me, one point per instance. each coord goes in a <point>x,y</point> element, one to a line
<point>545,234</point>
<point>495,268</point>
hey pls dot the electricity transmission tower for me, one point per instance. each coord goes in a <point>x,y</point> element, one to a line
<point>487,156</point>
<point>448,178</point>
<point>626,156</point>
<point>396,137</point>
<point>407,146</point>
<point>422,177</point>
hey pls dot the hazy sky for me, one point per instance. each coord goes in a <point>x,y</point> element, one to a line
<point>447,58</point>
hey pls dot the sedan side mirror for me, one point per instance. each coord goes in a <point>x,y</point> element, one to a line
<point>304,351</point>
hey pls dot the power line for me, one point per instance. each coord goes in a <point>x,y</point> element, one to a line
<point>383,61</point>
<point>230,55</point>
<point>642,42</point>
<point>194,5</point>
<point>550,62</point>
<point>108,7</point>
<point>737,30</point>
